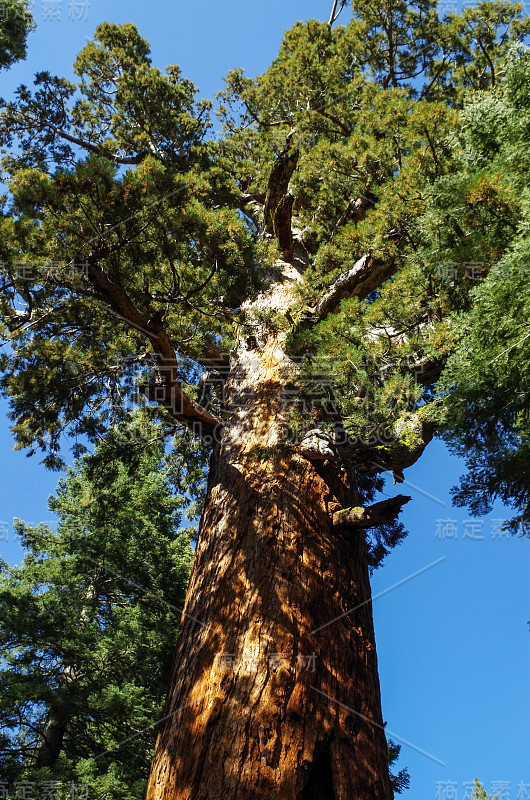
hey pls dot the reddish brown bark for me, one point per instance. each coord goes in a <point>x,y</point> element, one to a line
<point>270,569</point>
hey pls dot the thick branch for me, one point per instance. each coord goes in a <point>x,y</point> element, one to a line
<point>93,148</point>
<point>366,275</point>
<point>371,516</point>
<point>252,207</point>
<point>278,202</point>
<point>395,450</point>
<point>427,370</point>
<point>168,391</point>
<point>51,746</point>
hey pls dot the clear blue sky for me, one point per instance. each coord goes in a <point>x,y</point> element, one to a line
<point>452,641</point>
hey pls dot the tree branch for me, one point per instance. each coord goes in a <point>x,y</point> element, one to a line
<point>335,11</point>
<point>252,207</point>
<point>278,202</point>
<point>344,129</point>
<point>393,450</point>
<point>366,275</point>
<point>370,516</point>
<point>93,148</point>
<point>355,212</point>
<point>167,391</point>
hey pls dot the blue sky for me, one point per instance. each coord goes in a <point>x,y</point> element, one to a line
<point>452,641</point>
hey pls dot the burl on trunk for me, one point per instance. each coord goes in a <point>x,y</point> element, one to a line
<point>274,691</point>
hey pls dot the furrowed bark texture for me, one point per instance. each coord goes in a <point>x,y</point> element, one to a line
<point>261,703</point>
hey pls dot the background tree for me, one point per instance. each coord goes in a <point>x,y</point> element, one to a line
<point>268,290</point>
<point>479,793</point>
<point>88,620</point>
<point>16,21</point>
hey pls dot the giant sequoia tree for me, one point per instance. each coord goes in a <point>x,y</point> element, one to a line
<point>268,289</point>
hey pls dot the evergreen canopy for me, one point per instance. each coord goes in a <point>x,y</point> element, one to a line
<point>132,236</point>
<point>88,621</point>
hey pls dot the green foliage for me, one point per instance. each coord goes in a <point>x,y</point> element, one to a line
<point>405,42</point>
<point>373,126</point>
<point>146,201</point>
<point>118,172</point>
<point>486,411</point>
<point>89,618</point>
<point>401,779</point>
<point>479,793</point>
<point>407,134</point>
<point>16,22</point>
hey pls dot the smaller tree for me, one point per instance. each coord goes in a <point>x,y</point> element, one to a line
<point>16,21</point>
<point>479,793</point>
<point>89,619</point>
<point>399,780</point>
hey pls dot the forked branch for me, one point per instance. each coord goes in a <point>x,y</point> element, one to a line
<point>338,5</point>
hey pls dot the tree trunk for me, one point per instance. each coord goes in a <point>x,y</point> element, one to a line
<point>263,704</point>
<point>50,749</point>
<point>60,714</point>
